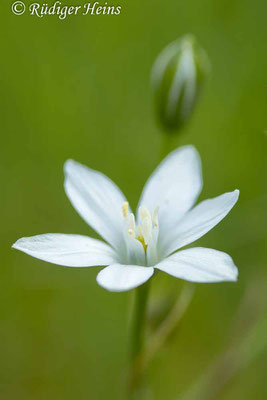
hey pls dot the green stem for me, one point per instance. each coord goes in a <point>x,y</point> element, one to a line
<point>139,318</point>
<point>136,388</point>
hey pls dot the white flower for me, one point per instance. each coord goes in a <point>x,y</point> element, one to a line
<point>165,223</point>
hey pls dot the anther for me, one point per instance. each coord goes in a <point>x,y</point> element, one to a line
<point>131,232</point>
<point>125,207</point>
<point>155,216</point>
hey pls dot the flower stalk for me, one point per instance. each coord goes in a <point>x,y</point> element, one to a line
<point>138,336</point>
<point>139,319</point>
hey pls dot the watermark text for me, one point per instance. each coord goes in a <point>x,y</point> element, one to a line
<point>62,11</point>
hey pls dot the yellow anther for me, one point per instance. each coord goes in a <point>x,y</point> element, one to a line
<point>125,208</point>
<point>131,232</point>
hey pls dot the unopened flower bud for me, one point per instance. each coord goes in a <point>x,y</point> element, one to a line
<point>177,77</point>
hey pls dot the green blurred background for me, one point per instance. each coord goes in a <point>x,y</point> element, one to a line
<point>79,88</point>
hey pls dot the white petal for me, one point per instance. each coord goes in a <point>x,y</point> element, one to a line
<point>97,199</point>
<point>119,278</point>
<point>67,250</point>
<point>200,265</point>
<point>197,222</point>
<point>174,186</point>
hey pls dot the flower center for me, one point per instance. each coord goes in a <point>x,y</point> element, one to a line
<point>147,229</point>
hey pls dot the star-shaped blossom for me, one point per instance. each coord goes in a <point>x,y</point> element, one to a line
<point>135,247</point>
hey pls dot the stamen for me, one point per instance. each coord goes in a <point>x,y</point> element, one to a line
<point>131,225</point>
<point>147,229</point>
<point>155,216</point>
<point>131,232</point>
<point>145,226</point>
<point>125,208</point>
<point>143,213</point>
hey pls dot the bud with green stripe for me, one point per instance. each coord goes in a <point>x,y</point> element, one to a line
<point>177,77</point>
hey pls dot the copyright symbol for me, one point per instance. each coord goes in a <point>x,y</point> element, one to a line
<point>18,8</point>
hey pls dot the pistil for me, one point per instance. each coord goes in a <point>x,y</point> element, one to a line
<point>147,227</point>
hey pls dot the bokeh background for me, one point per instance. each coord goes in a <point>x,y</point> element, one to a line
<point>79,88</point>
